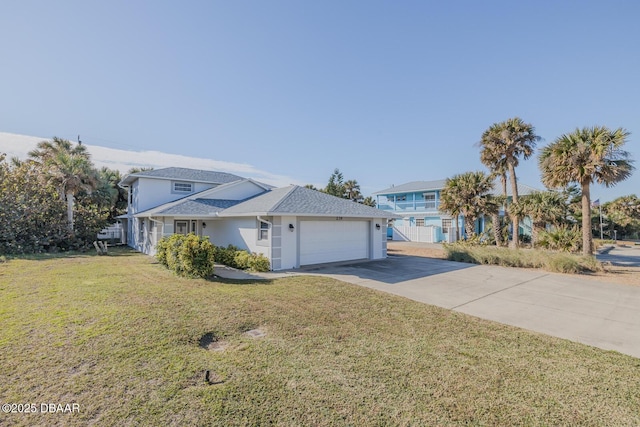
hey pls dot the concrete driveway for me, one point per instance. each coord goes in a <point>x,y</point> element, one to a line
<point>600,314</point>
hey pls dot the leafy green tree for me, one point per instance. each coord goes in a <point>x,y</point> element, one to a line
<point>502,145</point>
<point>68,167</point>
<point>32,216</point>
<point>467,194</point>
<point>624,213</point>
<point>585,156</point>
<point>335,186</point>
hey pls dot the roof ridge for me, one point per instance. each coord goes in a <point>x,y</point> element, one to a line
<point>291,190</point>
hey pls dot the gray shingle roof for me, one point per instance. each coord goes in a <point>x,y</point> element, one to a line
<point>300,201</point>
<point>183,174</point>
<point>197,207</point>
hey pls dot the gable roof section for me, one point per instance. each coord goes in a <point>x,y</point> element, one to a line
<point>182,174</point>
<point>300,201</point>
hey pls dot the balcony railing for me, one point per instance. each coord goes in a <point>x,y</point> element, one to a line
<point>405,206</point>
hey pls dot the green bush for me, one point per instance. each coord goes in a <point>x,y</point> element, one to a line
<point>226,255</point>
<point>238,258</point>
<point>563,238</point>
<point>189,256</point>
<point>197,256</point>
<point>241,260</point>
<point>259,262</point>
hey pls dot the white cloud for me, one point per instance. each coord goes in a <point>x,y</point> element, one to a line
<point>19,146</point>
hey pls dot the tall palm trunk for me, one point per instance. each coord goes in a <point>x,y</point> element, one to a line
<point>535,232</point>
<point>469,227</point>
<point>515,220</point>
<point>503,241</point>
<point>497,228</point>
<point>70,201</point>
<point>586,219</point>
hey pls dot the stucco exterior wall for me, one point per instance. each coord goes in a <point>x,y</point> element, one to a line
<point>149,193</point>
<point>289,243</point>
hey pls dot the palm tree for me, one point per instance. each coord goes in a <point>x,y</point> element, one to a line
<point>588,155</point>
<point>466,194</point>
<point>108,193</point>
<point>369,201</point>
<point>502,145</point>
<point>498,167</point>
<point>68,167</point>
<point>493,209</point>
<point>543,207</point>
<point>352,190</point>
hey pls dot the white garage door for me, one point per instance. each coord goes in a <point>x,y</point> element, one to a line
<point>329,241</point>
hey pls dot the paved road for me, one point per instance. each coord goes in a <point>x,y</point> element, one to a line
<point>623,256</point>
<point>599,314</point>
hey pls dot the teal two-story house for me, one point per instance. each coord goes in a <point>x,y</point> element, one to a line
<point>418,204</point>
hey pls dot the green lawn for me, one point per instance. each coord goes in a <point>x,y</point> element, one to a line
<point>120,336</point>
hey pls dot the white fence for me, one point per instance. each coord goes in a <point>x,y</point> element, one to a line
<point>424,234</point>
<point>113,232</point>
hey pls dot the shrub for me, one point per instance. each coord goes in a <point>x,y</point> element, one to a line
<point>197,256</point>
<point>241,260</point>
<point>190,256</point>
<point>563,238</point>
<point>526,258</point>
<point>259,262</point>
<point>226,255</point>
<point>193,256</point>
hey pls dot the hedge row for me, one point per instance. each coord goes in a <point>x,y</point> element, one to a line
<point>194,256</point>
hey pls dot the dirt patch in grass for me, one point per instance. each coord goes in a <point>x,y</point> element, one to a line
<point>210,341</point>
<point>427,250</point>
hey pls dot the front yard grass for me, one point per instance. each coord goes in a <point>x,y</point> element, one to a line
<point>123,338</point>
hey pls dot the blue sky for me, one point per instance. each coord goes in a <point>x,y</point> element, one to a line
<point>388,92</point>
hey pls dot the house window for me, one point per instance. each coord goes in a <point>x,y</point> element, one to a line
<point>420,222</point>
<point>401,198</point>
<point>181,227</point>
<point>446,225</point>
<point>263,231</point>
<point>430,200</point>
<point>182,187</point>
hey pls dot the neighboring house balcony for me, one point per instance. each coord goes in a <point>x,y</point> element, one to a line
<point>409,206</point>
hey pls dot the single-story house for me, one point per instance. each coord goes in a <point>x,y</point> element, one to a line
<point>292,226</point>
